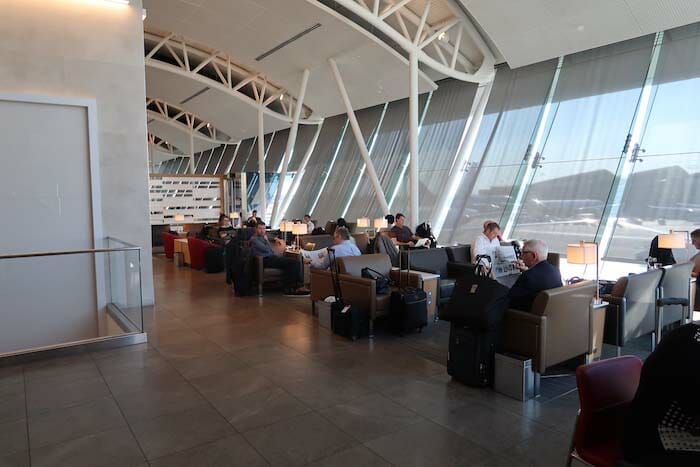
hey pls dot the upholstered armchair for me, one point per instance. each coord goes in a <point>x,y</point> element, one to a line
<point>556,329</point>
<point>436,261</point>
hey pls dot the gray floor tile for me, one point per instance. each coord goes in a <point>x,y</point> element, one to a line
<point>233,451</point>
<point>325,390</point>
<point>369,417</point>
<point>298,441</point>
<point>547,449</point>
<point>12,403</point>
<point>207,365</point>
<point>266,353</point>
<point>428,444</point>
<point>259,408</point>
<point>353,457</point>
<point>489,427</point>
<point>60,425</point>
<point>235,383</point>
<point>177,432</point>
<point>429,398</point>
<point>152,403</point>
<point>17,459</point>
<point>190,349</point>
<point>116,448</point>
<point>43,396</point>
<point>63,369</point>
<point>124,361</point>
<point>13,437</point>
<point>11,376</point>
<point>154,377</point>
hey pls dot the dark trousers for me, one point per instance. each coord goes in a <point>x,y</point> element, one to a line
<point>291,278</point>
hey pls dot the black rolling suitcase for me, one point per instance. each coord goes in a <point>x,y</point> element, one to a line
<point>346,320</point>
<point>408,306</point>
<point>213,260</point>
<point>471,355</point>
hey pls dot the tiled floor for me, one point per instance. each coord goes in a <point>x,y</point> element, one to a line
<point>226,381</point>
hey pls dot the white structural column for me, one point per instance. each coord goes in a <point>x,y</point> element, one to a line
<point>472,126</point>
<point>291,140</point>
<point>413,167</point>
<point>191,161</point>
<point>300,172</point>
<point>262,189</point>
<point>359,138</point>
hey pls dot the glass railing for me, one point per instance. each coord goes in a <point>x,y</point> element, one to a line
<point>57,299</point>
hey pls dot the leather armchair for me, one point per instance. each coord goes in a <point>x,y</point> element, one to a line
<point>357,290</point>
<point>674,295</point>
<point>319,241</point>
<point>362,242</point>
<point>632,310</point>
<point>169,244</point>
<point>556,329</point>
<point>459,253</point>
<point>436,261</point>
<point>197,247</point>
<point>262,275</point>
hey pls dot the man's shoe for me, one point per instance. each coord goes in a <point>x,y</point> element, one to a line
<point>297,293</point>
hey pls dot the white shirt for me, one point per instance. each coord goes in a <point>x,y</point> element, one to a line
<point>346,248</point>
<point>484,246</point>
<point>310,226</point>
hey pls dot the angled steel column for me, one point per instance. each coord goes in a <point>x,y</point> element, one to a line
<point>358,135</point>
<point>291,140</point>
<point>262,189</point>
<point>300,172</point>
<point>465,150</point>
<point>414,186</point>
<point>190,163</point>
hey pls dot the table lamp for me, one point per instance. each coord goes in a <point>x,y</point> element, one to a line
<point>585,253</point>
<point>363,223</point>
<point>286,227</point>
<point>298,230</point>
<point>179,218</point>
<point>380,223</point>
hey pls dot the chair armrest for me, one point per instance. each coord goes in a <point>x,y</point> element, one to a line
<point>612,299</point>
<point>259,269</point>
<point>455,270</point>
<point>524,334</point>
<point>425,269</point>
<point>321,284</point>
<point>360,292</point>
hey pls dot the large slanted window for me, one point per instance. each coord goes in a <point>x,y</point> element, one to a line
<point>664,187</point>
<point>509,122</point>
<point>592,111</point>
<point>440,136</point>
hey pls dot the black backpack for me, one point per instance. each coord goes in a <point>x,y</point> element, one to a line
<point>237,266</point>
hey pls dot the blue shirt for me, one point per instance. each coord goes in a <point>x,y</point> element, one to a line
<point>346,248</point>
<point>260,246</point>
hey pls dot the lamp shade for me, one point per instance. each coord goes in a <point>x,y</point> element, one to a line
<point>234,215</point>
<point>673,240</point>
<point>179,218</point>
<point>582,253</point>
<point>286,226</point>
<point>300,229</point>
<point>380,223</point>
<point>363,222</point>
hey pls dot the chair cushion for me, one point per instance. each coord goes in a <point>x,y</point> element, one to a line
<point>430,259</point>
<point>459,254</point>
<point>353,265</point>
<point>447,286</point>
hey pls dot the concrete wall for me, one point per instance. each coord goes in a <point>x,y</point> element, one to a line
<point>90,49</point>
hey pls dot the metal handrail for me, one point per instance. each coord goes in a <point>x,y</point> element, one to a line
<point>69,252</point>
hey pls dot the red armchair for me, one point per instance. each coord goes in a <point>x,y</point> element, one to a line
<point>197,248</point>
<point>169,244</point>
<point>606,388</point>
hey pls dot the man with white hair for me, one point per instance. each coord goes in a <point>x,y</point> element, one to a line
<point>537,275</point>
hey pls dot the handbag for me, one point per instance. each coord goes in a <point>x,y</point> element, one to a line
<point>383,282</point>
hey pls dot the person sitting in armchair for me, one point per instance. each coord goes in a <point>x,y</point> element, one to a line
<point>537,275</point>
<point>260,246</point>
<point>342,247</point>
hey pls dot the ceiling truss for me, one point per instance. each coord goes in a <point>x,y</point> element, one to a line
<point>163,146</point>
<point>436,45</point>
<point>185,121</point>
<point>215,69</point>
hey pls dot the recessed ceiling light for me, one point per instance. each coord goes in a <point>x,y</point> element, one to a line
<point>580,28</point>
<point>442,36</point>
<point>282,97</point>
<point>144,14</point>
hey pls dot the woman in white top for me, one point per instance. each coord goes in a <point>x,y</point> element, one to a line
<point>487,241</point>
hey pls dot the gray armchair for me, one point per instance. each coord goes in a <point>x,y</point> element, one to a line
<point>674,296</point>
<point>632,310</point>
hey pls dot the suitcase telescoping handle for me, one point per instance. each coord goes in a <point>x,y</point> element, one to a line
<point>335,274</point>
<point>408,267</point>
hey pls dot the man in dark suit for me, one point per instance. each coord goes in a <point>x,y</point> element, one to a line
<point>537,275</point>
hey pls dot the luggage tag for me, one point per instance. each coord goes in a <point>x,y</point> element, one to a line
<point>473,289</point>
<point>345,310</point>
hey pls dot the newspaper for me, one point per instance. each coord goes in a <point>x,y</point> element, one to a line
<point>315,256</point>
<point>504,258</point>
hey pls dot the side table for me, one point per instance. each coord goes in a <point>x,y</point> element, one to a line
<point>596,329</point>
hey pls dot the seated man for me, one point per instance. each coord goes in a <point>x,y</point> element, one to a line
<point>537,275</point>
<point>343,247</point>
<point>487,241</point>
<point>260,246</point>
<point>309,225</point>
<point>401,233</point>
<point>695,239</point>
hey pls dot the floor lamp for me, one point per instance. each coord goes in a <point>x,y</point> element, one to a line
<point>285,228</point>
<point>298,230</point>
<point>585,253</point>
<point>380,223</point>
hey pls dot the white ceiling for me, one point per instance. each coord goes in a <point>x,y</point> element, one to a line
<point>530,31</point>
<point>372,72</point>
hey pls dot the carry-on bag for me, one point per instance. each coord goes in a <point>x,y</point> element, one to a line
<point>478,301</point>
<point>213,260</point>
<point>471,355</point>
<point>346,320</point>
<point>408,306</point>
